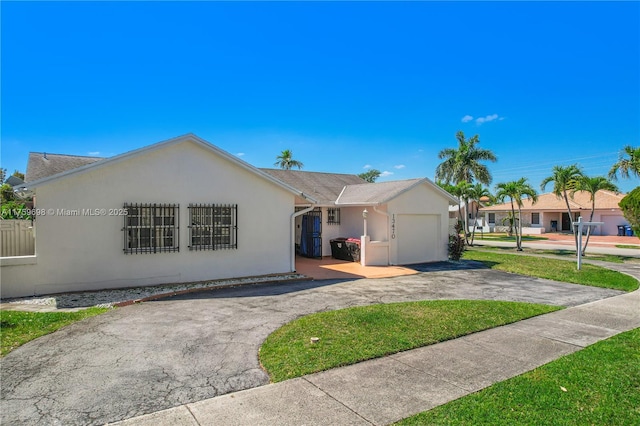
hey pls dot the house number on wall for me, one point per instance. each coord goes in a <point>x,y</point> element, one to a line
<point>393,226</point>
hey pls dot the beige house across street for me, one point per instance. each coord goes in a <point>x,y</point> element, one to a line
<point>183,210</point>
<point>549,213</point>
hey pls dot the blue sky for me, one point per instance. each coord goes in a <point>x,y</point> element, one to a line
<point>345,86</point>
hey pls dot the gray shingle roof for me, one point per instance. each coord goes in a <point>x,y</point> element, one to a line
<point>324,187</point>
<point>376,193</point>
<point>41,165</point>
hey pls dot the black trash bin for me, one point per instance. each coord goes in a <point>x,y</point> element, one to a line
<point>339,249</point>
<point>345,249</point>
<point>620,230</point>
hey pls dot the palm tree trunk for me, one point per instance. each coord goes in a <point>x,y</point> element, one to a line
<point>515,225</point>
<point>519,238</point>
<point>475,223</point>
<point>575,233</point>
<point>586,243</point>
<point>466,220</point>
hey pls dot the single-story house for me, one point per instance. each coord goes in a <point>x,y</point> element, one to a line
<point>183,210</point>
<point>549,213</point>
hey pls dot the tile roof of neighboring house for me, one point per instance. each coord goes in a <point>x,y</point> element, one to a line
<point>42,165</point>
<point>550,202</point>
<point>324,187</point>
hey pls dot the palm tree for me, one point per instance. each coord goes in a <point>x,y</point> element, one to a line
<point>475,193</point>
<point>515,191</point>
<point>592,185</point>
<point>626,166</point>
<point>463,163</point>
<point>286,162</point>
<point>564,180</point>
<point>461,190</point>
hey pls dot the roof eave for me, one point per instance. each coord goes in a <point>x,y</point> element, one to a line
<point>162,144</point>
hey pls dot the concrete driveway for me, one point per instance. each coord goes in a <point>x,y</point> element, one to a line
<point>156,355</point>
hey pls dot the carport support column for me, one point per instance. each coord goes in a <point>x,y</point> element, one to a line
<point>364,243</point>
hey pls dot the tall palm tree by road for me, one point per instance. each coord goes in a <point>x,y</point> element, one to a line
<point>464,163</point>
<point>592,185</point>
<point>286,162</point>
<point>627,166</point>
<point>515,191</point>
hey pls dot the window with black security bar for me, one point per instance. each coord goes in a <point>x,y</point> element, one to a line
<point>151,228</point>
<point>333,216</point>
<point>213,226</point>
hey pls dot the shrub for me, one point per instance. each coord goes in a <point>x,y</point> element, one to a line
<point>630,206</point>
<point>456,243</point>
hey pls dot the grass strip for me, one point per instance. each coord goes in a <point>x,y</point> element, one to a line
<point>351,335</point>
<point>17,327</point>
<point>598,385</point>
<point>505,237</point>
<point>554,269</point>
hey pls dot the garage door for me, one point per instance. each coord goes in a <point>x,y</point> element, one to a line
<point>418,238</point>
<point>611,223</point>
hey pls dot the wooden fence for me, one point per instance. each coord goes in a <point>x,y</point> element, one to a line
<point>17,238</point>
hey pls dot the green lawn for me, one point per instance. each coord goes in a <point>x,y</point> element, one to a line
<point>558,270</point>
<point>17,328</point>
<point>505,237</point>
<point>628,246</point>
<point>348,336</point>
<point>569,254</point>
<point>599,385</point>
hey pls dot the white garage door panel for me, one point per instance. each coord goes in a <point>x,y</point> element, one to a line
<point>418,238</point>
<point>611,223</point>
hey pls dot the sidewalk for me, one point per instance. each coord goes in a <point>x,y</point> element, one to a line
<point>388,389</point>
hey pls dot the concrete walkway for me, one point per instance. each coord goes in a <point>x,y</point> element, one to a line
<point>385,390</point>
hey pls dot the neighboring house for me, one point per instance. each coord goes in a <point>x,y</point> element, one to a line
<point>473,219</point>
<point>14,181</point>
<point>183,210</point>
<point>41,164</point>
<point>549,213</point>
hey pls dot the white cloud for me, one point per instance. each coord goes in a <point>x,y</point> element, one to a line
<point>94,153</point>
<point>399,166</point>
<point>385,174</point>
<point>486,119</point>
<point>240,154</point>
<point>467,118</point>
<point>367,166</point>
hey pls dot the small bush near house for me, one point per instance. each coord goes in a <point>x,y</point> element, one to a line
<point>456,243</point>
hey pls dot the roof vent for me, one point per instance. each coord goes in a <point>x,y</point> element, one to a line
<point>44,154</point>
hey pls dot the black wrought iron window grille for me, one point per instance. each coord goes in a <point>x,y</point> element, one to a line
<point>213,226</point>
<point>333,216</point>
<point>151,228</point>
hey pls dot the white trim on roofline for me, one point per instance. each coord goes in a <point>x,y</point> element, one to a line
<point>150,148</point>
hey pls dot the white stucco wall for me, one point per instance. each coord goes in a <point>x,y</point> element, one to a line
<point>86,253</point>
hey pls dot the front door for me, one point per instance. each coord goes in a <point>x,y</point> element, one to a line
<point>566,223</point>
<point>311,238</point>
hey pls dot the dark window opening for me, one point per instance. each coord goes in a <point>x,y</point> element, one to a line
<point>333,216</point>
<point>535,218</point>
<point>151,228</point>
<point>213,226</point>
